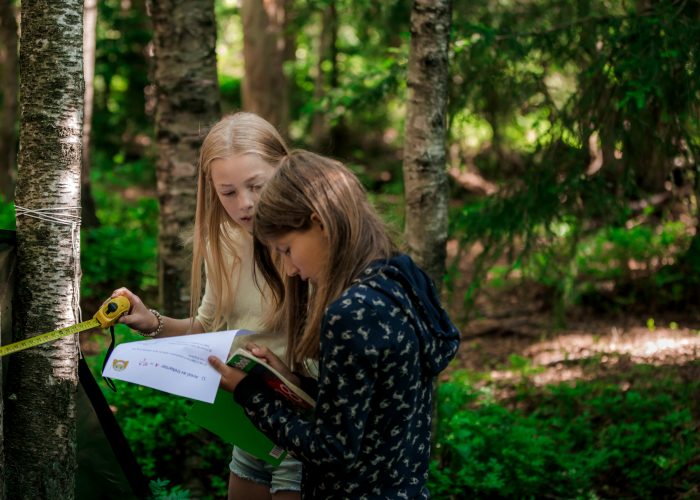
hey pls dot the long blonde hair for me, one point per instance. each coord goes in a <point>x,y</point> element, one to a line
<point>307,184</point>
<point>236,134</point>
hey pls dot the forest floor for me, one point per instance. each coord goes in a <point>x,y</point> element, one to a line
<point>515,333</point>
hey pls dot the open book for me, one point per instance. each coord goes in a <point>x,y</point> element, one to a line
<point>227,419</point>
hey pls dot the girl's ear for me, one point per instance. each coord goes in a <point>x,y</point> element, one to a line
<point>315,218</point>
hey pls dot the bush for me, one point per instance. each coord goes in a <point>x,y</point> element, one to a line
<point>7,215</point>
<point>588,440</point>
<point>123,250</point>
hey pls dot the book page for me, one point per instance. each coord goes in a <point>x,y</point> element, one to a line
<point>177,365</point>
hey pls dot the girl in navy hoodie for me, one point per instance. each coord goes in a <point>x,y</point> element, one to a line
<point>371,319</point>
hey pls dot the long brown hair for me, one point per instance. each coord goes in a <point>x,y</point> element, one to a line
<point>236,134</point>
<point>307,184</point>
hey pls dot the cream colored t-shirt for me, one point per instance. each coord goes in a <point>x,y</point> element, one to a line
<point>249,304</point>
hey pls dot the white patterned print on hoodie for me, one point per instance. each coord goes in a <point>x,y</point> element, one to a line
<point>382,344</point>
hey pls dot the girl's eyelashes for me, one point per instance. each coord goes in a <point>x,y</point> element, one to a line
<point>255,189</point>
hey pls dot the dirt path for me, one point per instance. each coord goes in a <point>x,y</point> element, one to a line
<point>514,333</point>
<point>581,351</point>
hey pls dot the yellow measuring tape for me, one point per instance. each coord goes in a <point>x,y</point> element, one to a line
<point>107,316</point>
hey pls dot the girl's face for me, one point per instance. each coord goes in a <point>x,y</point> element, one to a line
<point>237,181</point>
<point>304,253</point>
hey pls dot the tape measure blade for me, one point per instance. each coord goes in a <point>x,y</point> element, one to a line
<point>48,337</point>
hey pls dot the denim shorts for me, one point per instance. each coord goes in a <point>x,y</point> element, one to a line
<point>285,477</point>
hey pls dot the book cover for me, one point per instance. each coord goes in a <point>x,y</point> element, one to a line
<point>228,420</point>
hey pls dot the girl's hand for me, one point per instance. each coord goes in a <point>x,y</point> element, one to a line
<point>274,361</point>
<point>139,317</point>
<point>230,376</point>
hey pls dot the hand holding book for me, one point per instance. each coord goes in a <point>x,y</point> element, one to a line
<point>282,380</point>
<point>273,361</point>
<point>232,374</point>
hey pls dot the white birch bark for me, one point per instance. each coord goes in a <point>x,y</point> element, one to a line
<point>40,411</point>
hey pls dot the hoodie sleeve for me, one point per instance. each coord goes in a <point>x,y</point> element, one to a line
<point>333,435</point>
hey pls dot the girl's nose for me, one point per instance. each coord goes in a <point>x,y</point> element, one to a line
<point>290,268</point>
<point>245,201</point>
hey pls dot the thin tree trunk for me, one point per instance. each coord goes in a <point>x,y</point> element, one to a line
<point>8,117</point>
<point>326,78</point>
<point>89,211</point>
<point>265,90</point>
<point>424,167</point>
<point>187,104</point>
<point>42,383</point>
<point>7,278</point>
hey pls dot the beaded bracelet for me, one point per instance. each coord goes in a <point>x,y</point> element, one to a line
<point>161,323</point>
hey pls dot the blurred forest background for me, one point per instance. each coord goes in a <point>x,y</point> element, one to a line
<point>573,256</point>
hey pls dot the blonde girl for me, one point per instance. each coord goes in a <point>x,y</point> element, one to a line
<point>238,156</point>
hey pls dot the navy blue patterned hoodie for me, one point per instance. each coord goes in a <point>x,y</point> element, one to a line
<point>382,343</point>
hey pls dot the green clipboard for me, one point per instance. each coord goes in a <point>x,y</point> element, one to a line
<point>227,419</point>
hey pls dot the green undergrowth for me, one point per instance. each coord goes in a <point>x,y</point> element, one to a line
<point>608,438</point>
<point>170,449</point>
<point>631,435</point>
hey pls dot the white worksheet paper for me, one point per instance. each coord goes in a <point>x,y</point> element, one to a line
<point>177,365</point>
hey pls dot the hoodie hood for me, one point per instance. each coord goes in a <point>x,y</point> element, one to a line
<point>437,335</point>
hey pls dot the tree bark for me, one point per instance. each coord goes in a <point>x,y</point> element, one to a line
<point>327,76</point>
<point>7,277</point>
<point>424,167</point>
<point>42,381</point>
<point>265,90</point>
<point>8,118</point>
<point>187,104</point>
<point>89,211</point>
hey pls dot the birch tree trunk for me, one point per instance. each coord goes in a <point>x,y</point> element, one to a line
<point>187,104</point>
<point>265,90</point>
<point>42,381</point>
<point>8,114</point>
<point>424,168</point>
